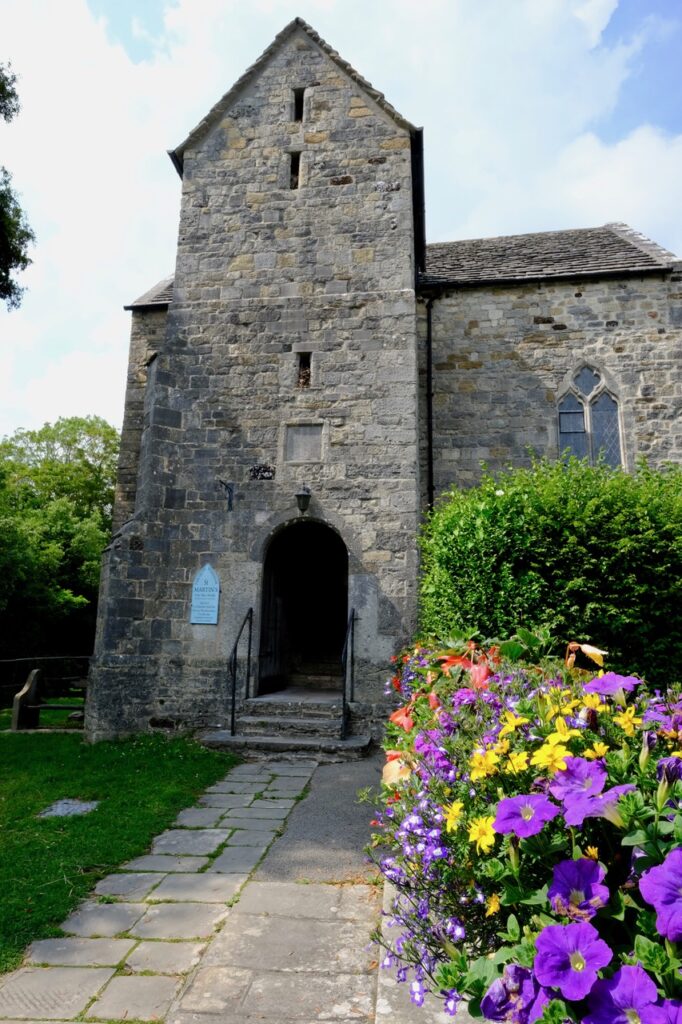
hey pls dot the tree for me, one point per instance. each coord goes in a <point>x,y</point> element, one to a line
<point>15,233</point>
<point>56,496</point>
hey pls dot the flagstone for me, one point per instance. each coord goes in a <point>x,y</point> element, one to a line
<point>139,998</point>
<point>79,952</point>
<point>103,919</point>
<point>180,921</point>
<point>50,993</point>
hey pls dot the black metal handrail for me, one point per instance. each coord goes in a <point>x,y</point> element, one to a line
<point>348,658</point>
<point>232,665</point>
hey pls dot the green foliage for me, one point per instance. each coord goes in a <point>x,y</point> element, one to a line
<point>15,234</point>
<point>56,496</point>
<point>587,553</point>
<point>48,864</point>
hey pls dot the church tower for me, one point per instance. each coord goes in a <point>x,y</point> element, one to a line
<point>279,370</point>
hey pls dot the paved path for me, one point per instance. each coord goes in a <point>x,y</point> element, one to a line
<point>205,929</point>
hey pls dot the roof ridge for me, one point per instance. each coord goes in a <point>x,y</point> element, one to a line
<point>176,154</point>
<point>641,241</point>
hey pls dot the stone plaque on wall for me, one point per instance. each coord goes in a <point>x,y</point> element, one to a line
<point>304,442</point>
<point>205,597</point>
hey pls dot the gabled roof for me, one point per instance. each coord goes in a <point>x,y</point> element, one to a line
<point>222,105</point>
<point>614,249</point>
<point>158,297</point>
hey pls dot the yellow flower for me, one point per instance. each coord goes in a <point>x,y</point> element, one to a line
<point>562,733</point>
<point>593,702</point>
<point>592,852</point>
<point>598,749</point>
<point>482,833</point>
<point>516,762</point>
<point>570,706</point>
<point>492,905</point>
<point>510,723</point>
<point>482,764</point>
<point>501,747</point>
<point>627,720</point>
<point>551,756</point>
<point>454,813</point>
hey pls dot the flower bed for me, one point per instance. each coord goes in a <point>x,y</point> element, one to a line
<point>531,826</point>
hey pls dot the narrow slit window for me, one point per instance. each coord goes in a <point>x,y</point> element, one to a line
<point>295,170</point>
<point>298,104</point>
<point>303,370</point>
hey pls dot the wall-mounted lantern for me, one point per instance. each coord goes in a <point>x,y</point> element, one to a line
<point>303,498</point>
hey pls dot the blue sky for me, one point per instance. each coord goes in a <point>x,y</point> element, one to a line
<point>538,115</point>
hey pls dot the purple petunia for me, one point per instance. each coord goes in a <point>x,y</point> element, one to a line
<point>603,805</point>
<point>662,887</point>
<point>610,683</point>
<point>516,996</point>
<point>669,1012</point>
<point>669,769</point>
<point>580,777</point>
<point>568,958</point>
<point>576,890</point>
<point>628,996</point>
<point>524,815</point>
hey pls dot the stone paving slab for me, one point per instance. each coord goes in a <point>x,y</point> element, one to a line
<point>165,957</point>
<point>325,902</point>
<point>262,809</point>
<point>282,996</point>
<point>199,817</point>
<point>237,860</point>
<point>129,887</point>
<point>79,952</point>
<point>103,919</point>
<point>244,788</point>
<point>165,863</point>
<point>50,993</point>
<point>253,824</point>
<point>214,888</point>
<point>245,837</point>
<point>299,767</point>
<point>215,989</point>
<point>226,800</point>
<point>292,944</point>
<point>272,801</point>
<point>139,998</point>
<point>179,921</point>
<point>196,840</point>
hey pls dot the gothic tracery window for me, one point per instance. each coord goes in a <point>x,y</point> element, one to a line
<point>589,423</point>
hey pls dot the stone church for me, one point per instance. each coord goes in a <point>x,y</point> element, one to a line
<point>312,377</point>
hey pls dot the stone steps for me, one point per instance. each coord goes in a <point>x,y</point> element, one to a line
<point>254,725</point>
<point>278,707</point>
<point>330,748</point>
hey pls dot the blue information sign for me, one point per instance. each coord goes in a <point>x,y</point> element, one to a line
<point>205,597</point>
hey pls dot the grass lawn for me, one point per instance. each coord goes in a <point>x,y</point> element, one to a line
<point>48,864</point>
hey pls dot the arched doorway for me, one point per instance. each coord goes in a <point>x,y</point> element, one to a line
<point>304,608</point>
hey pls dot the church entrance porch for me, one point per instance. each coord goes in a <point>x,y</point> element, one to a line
<point>304,611</point>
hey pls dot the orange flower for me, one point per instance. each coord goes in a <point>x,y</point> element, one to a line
<point>434,703</point>
<point>479,675</point>
<point>402,718</point>
<point>454,660</point>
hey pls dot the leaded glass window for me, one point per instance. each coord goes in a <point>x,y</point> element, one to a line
<point>589,425</point>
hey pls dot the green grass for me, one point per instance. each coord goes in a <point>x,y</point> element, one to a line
<point>50,719</point>
<point>48,864</point>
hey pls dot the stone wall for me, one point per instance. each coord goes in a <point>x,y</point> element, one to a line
<point>503,354</point>
<point>264,272</point>
<point>146,338</point>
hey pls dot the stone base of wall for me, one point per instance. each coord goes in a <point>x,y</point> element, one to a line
<point>129,695</point>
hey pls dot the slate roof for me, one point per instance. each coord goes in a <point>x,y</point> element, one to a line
<point>157,297</point>
<point>585,252</point>
<point>176,154</point>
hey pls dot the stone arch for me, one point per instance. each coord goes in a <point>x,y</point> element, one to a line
<point>303,607</point>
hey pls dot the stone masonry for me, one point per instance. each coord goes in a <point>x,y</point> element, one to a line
<point>309,337</point>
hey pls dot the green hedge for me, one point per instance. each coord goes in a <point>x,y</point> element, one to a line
<point>590,552</point>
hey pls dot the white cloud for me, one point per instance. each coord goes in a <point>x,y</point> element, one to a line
<point>511,96</point>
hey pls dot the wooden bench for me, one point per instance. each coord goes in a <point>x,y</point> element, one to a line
<point>28,702</point>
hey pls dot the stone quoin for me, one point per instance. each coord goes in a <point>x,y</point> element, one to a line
<point>310,339</point>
